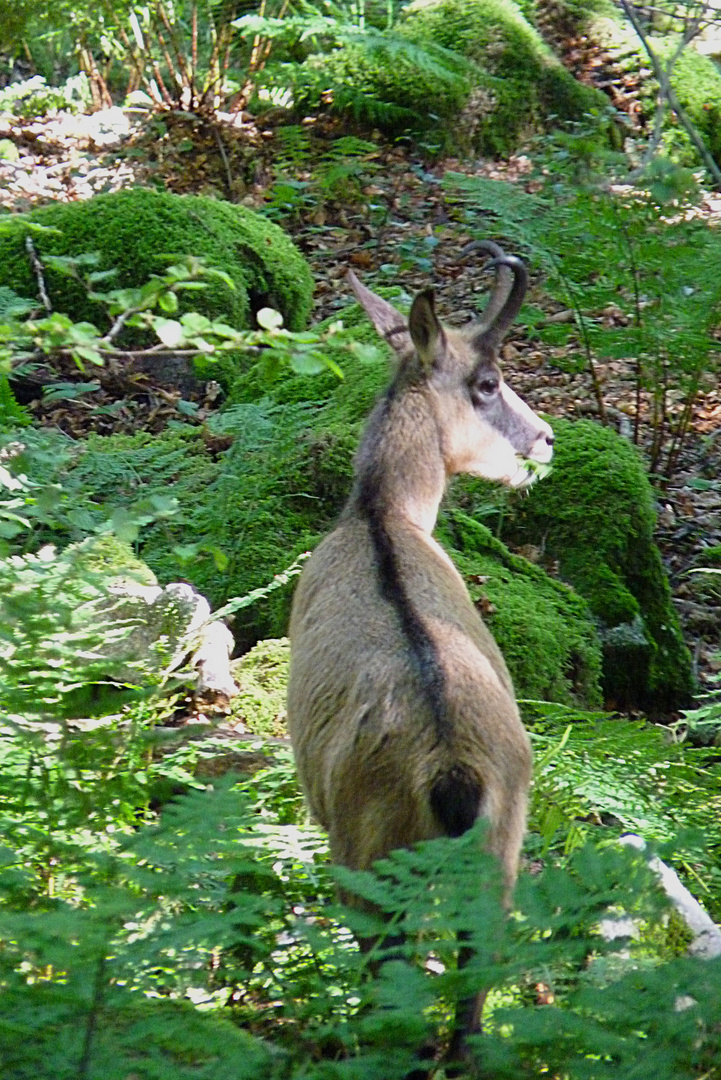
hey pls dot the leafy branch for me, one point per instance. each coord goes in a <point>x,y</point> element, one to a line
<point>150,308</point>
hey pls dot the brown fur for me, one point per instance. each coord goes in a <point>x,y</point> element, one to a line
<point>364,732</point>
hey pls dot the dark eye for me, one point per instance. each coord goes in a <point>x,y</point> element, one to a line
<point>484,388</point>
<point>488,386</point>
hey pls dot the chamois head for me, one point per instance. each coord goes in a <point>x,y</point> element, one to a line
<point>484,428</point>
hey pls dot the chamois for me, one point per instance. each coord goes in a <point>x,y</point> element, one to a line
<point>401,709</point>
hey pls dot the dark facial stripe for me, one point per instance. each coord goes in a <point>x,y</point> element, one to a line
<point>517,429</point>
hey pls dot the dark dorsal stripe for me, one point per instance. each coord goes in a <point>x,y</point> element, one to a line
<point>423,650</point>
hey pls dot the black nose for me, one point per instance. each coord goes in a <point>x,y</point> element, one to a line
<point>550,439</point>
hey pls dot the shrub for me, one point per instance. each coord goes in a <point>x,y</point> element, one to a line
<point>135,231</point>
<point>595,514</point>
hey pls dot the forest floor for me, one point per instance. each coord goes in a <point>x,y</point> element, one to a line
<point>388,216</point>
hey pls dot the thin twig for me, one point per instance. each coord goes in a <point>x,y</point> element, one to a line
<point>152,353</point>
<point>257,40</point>
<point>180,58</point>
<point>637,317</point>
<point>94,1015</point>
<point>38,270</point>
<point>134,57</point>
<point>226,165</point>
<point>194,51</point>
<point>118,326</point>
<point>172,73</point>
<point>581,324</point>
<point>682,429</point>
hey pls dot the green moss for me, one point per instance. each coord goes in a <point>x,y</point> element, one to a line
<point>517,82</point>
<point>241,517</point>
<point>697,82</point>
<point>710,556</point>
<point>544,629</point>
<point>133,230</point>
<point>279,488</point>
<point>595,514</point>
<point>113,558</point>
<point>262,679</point>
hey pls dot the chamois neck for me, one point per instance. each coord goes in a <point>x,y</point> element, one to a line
<point>400,474</point>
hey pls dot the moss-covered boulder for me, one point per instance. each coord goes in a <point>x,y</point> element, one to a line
<point>514,84</point>
<point>262,680</point>
<point>544,629</point>
<point>135,230</point>
<point>228,521</point>
<point>595,514</point>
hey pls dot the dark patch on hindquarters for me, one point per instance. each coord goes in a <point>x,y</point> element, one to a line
<point>456,801</point>
<point>370,506</point>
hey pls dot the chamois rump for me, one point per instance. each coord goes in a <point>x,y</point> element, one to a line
<point>401,709</point>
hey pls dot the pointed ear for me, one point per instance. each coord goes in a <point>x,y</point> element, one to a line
<point>425,329</point>
<point>389,323</point>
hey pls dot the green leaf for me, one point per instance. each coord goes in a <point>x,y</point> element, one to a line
<point>125,525</point>
<point>170,332</point>
<point>366,354</point>
<point>219,275</point>
<point>307,363</point>
<point>85,352</point>
<point>195,323</point>
<point>269,319</point>
<point>168,302</point>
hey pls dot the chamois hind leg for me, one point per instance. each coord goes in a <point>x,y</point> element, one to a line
<point>467,1022</point>
<point>394,942</point>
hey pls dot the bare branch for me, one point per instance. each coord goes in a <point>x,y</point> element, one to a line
<point>39,271</point>
<point>663,78</point>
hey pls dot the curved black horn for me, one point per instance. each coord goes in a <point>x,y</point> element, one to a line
<point>502,286</point>
<point>492,334</point>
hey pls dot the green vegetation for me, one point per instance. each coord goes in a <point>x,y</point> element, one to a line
<point>161,919</point>
<point>138,231</point>
<point>695,80</point>
<point>543,628</point>
<point>172,947</point>
<point>639,278</point>
<point>262,678</point>
<point>513,85</point>
<point>235,522</point>
<point>595,514</point>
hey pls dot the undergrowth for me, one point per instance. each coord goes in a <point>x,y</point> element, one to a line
<point>161,920</point>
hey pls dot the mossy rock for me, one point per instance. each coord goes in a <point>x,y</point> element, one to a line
<point>113,559</point>
<point>514,85</point>
<point>136,229</point>
<point>350,398</point>
<point>544,629</point>
<point>262,680</point>
<point>595,514</point>
<point>241,516</point>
